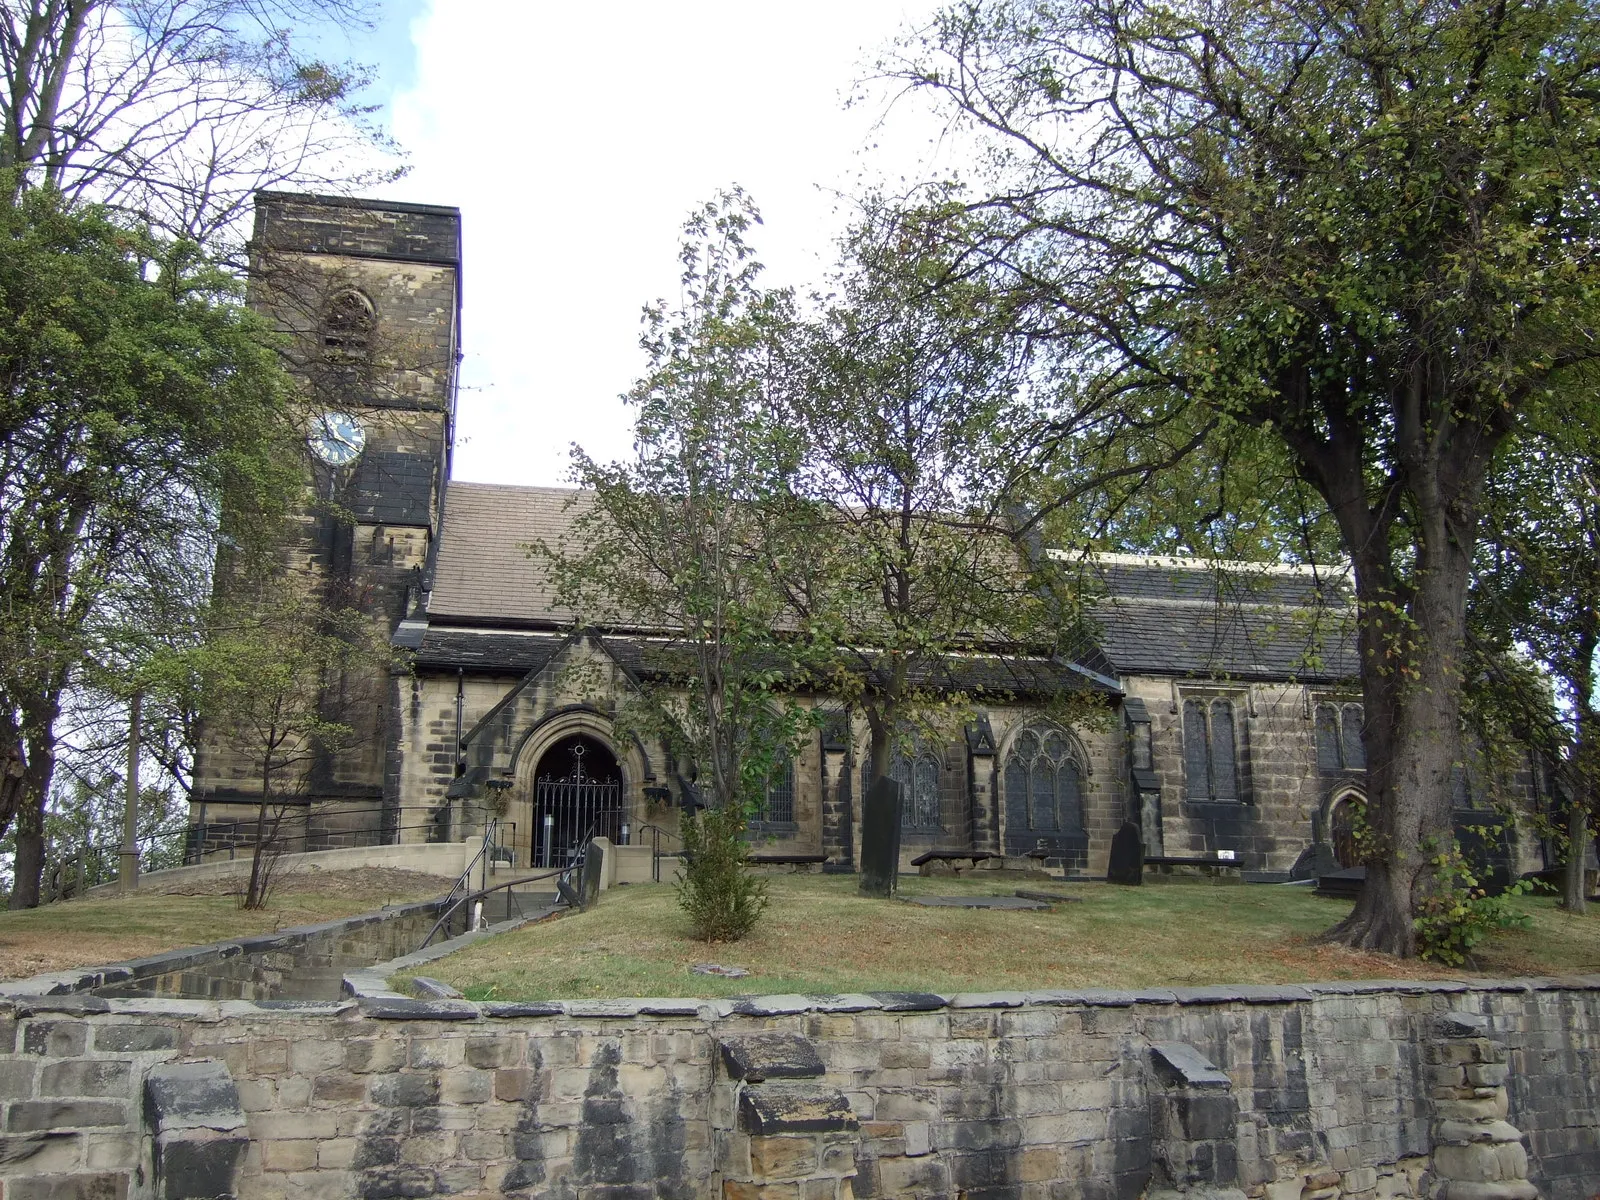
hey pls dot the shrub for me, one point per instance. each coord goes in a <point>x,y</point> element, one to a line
<point>1456,913</point>
<point>716,888</point>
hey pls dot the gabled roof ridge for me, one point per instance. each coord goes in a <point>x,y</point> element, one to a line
<point>1181,563</point>
<point>546,488</point>
<point>1220,602</point>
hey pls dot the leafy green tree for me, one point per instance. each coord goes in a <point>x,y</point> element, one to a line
<point>920,450</point>
<point>1365,227</point>
<point>1537,598</point>
<point>137,400</point>
<point>679,541</point>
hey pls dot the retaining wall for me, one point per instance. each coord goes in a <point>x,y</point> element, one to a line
<point>305,963</point>
<point>1317,1093</point>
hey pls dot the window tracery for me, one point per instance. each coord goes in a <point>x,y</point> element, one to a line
<point>1044,781</point>
<point>347,325</point>
<point>917,773</point>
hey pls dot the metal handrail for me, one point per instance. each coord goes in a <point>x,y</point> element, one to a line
<point>484,855</point>
<point>656,834</point>
<point>481,893</point>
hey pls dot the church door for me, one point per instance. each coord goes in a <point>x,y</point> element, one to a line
<point>577,796</point>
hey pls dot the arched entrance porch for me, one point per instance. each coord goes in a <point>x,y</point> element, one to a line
<point>577,795</point>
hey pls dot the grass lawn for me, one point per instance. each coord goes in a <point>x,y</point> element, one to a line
<point>820,936</point>
<point>111,928</point>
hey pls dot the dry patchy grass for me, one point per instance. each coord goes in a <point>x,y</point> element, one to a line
<point>820,936</point>
<point>110,928</point>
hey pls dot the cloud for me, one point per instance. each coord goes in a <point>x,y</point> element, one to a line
<point>575,139</point>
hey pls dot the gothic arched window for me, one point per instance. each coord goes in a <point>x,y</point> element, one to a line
<point>347,325</point>
<point>1210,760</point>
<point>917,773</point>
<point>1044,783</point>
<point>1339,746</point>
<point>777,797</point>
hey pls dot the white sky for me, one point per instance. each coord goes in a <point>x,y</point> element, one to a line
<point>575,140</point>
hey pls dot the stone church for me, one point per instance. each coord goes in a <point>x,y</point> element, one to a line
<point>1234,730</point>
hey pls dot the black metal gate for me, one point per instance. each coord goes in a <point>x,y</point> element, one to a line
<point>567,813</point>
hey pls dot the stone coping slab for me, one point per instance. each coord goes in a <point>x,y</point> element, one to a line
<point>379,1003</point>
<point>371,997</point>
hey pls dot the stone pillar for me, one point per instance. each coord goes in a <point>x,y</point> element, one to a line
<point>983,799</point>
<point>193,1116</point>
<point>1477,1154</point>
<point>838,808</point>
<point>1194,1125</point>
<point>794,1137</point>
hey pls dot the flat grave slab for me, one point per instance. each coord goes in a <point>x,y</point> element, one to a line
<point>1008,902</point>
<point>1048,897</point>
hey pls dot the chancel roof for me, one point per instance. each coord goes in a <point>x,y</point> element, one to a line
<point>501,652</point>
<point>1191,617</point>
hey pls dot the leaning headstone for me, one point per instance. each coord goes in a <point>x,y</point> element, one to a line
<point>1127,856</point>
<point>880,839</point>
<point>594,860</point>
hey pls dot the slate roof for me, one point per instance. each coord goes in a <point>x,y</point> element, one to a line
<point>482,572</point>
<point>1154,616</point>
<point>1237,620</point>
<point>498,652</point>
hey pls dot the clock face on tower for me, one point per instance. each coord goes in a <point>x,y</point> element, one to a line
<point>337,438</point>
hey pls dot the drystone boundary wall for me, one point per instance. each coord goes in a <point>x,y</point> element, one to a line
<point>1328,1092</point>
<point>304,963</point>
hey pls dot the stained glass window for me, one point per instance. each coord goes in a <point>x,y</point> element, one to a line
<point>1041,767</point>
<point>1210,757</point>
<point>918,776</point>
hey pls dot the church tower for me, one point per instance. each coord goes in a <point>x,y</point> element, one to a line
<point>368,297</point>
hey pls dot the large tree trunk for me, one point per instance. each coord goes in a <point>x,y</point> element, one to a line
<point>882,709</point>
<point>28,864</point>
<point>1573,897</point>
<point>1412,731</point>
<point>27,868</point>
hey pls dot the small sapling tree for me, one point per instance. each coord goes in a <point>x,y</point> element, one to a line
<point>678,541</point>
<point>265,676</point>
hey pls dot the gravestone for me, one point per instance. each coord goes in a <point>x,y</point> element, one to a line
<point>1323,860</point>
<point>880,839</point>
<point>594,860</point>
<point>1127,856</point>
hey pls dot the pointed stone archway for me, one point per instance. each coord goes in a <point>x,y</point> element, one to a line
<point>577,795</point>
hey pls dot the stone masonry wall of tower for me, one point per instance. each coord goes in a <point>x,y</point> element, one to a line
<point>367,295</point>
